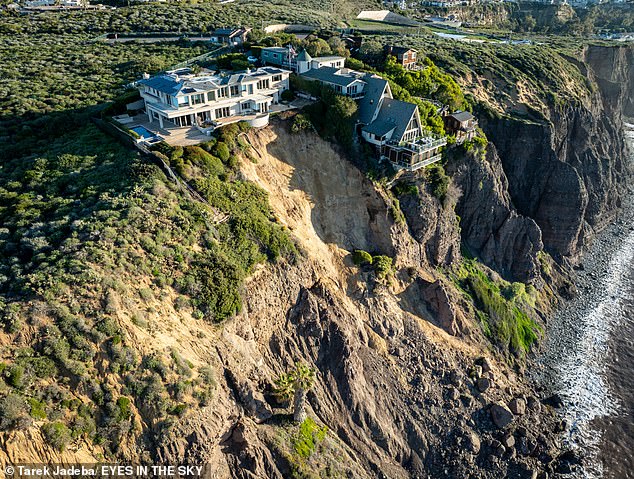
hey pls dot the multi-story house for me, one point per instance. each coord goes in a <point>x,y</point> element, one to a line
<point>394,127</point>
<point>343,80</point>
<point>181,98</point>
<point>462,124</point>
<point>287,57</point>
<point>406,57</point>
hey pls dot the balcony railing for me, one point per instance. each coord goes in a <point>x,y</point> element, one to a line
<point>420,146</point>
<point>414,166</point>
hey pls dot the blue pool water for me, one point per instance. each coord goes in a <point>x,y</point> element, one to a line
<point>143,132</point>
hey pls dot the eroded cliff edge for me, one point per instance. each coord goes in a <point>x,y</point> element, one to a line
<point>569,169</point>
<point>401,382</point>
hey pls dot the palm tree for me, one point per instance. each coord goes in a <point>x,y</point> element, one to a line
<point>296,384</point>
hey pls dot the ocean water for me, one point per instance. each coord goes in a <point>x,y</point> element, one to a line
<point>616,450</point>
<point>589,356</point>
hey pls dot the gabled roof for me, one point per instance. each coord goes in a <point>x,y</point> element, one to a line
<point>398,112</point>
<point>164,84</point>
<point>375,86</point>
<point>462,116</point>
<point>329,75</point>
<point>380,128</point>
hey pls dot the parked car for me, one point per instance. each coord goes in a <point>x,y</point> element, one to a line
<point>252,59</point>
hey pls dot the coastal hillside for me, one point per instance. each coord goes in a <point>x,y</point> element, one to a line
<point>158,308</point>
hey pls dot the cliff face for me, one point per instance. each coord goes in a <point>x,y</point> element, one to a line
<point>401,382</point>
<point>392,360</point>
<point>491,227</point>
<point>568,172</point>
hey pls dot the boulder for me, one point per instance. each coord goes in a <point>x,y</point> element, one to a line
<point>526,446</point>
<point>518,406</point>
<point>439,300</point>
<point>508,440</point>
<point>533,404</point>
<point>483,384</point>
<point>555,401</point>
<point>453,394</point>
<point>500,415</point>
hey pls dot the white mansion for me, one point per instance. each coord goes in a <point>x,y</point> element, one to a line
<point>208,101</point>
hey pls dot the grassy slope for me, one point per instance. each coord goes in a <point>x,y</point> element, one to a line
<point>101,254</point>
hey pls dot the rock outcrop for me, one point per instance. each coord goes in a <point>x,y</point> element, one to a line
<point>567,172</point>
<point>491,227</point>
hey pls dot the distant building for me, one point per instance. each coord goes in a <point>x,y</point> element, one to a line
<point>181,98</point>
<point>55,3</point>
<point>406,57</point>
<point>462,124</point>
<point>287,57</point>
<point>230,36</point>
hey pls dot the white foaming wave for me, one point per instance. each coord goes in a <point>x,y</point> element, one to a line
<point>582,372</point>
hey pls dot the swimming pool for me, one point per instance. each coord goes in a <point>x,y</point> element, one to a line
<point>143,132</point>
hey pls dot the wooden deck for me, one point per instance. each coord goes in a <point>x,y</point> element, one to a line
<point>173,135</point>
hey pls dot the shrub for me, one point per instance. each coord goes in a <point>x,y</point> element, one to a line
<point>308,437</point>
<point>382,266</point>
<point>12,408</point>
<point>38,409</point>
<point>288,95</point>
<point>221,150</point>
<point>178,410</point>
<point>360,257</point>
<point>438,180</point>
<point>57,435</point>
<point>300,123</point>
<point>124,410</point>
<point>15,376</point>
<point>197,156</point>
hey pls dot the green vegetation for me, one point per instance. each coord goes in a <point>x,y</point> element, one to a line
<point>428,82</point>
<point>361,258</point>
<point>295,384</point>
<point>333,115</point>
<point>383,267</point>
<point>540,70</point>
<point>301,122</point>
<point>90,231</point>
<point>57,435</point>
<point>500,307</point>
<point>438,180</point>
<point>174,17</point>
<point>308,437</point>
<point>232,61</point>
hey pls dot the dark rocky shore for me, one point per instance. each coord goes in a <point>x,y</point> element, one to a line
<point>579,353</point>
